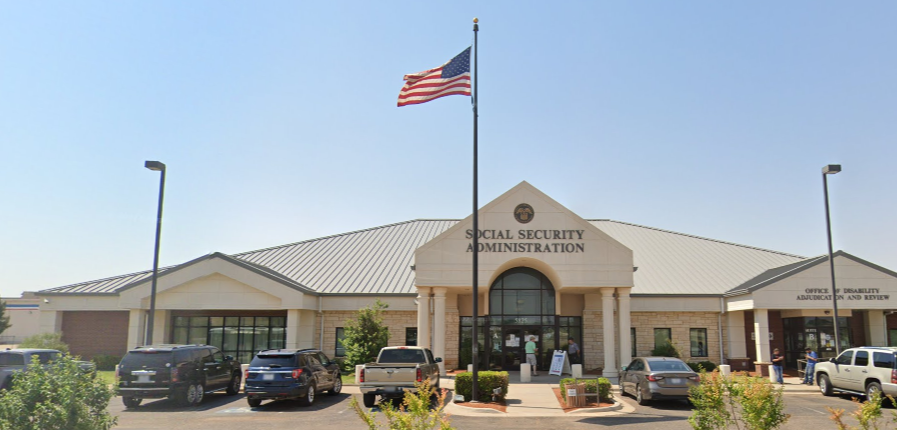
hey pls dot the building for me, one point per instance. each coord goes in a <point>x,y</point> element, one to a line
<point>619,289</point>
<point>24,319</point>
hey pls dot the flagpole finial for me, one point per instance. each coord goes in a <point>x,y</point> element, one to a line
<point>476,27</point>
<point>476,20</point>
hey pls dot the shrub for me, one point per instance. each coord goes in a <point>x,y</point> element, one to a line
<point>58,396</point>
<point>417,412</point>
<point>707,366</point>
<point>487,382</point>
<point>601,386</point>
<point>666,350</point>
<point>365,335</point>
<point>45,341</point>
<point>106,362</point>
<point>747,402</point>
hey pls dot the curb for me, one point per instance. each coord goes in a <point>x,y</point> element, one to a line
<point>616,407</point>
<point>457,408</point>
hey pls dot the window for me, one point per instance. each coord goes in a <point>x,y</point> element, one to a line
<point>410,336</point>
<point>662,336</point>
<point>240,337</point>
<point>11,359</point>
<point>845,358</point>
<point>322,358</point>
<point>883,359</point>
<point>340,349</point>
<point>862,358</point>
<point>312,360</point>
<point>522,291</point>
<point>632,340</point>
<point>698,339</point>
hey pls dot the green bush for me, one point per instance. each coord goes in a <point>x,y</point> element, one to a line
<point>45,341</point>
<point>666,350</point>
<point>365,335</point>
<point>106,362</point>
<point>487,382</point>
<point>58,396</point>
<point>708,366</point>
<point>752,403</point>
<point>601,386</point>
<point>417,411</point>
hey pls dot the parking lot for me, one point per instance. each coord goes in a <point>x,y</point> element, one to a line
<point>223,412</point>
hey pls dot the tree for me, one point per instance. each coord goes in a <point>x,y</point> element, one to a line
<point>365,335</point>
<point>58,396</point>
<point>4,319</point>
<point>45,341</point>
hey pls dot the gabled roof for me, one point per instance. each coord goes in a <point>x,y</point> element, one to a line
<point>778,273</point>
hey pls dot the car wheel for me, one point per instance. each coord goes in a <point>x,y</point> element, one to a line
<point>309,398</point>
<point>825,385</point>
<point>337,385</point>
<point>195,394</point>
<point>871,389</point>
<point>254,403</point>
<point>131,402</point>
<point>369,400</point>
<point>638,396</point>
<point>234,387</point>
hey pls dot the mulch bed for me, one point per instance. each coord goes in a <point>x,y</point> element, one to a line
<point>589,402</point>
<point>498,406</point>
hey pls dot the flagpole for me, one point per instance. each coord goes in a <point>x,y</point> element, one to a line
<point>476,250</point>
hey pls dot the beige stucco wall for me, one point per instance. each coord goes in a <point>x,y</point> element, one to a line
<point>25,322</point>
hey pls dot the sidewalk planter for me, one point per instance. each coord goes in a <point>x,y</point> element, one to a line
<point>601,386</point>
<point>487,382</point>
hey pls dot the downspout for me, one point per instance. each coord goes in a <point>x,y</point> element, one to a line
<point>719,321</point>
<point>321,315</point>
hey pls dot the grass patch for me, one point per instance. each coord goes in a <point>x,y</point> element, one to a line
<point>107,376</point>
<point>348,379</point>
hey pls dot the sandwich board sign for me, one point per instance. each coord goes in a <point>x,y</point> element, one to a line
<point>560,363</point>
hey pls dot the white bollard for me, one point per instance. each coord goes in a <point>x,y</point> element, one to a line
<point>725,370</point>
<point>243,368</point>
<point>577,370</point>
<point>358,368</point>
<point>772,374</point>
<point>525,373</point>
<point>470,368</point>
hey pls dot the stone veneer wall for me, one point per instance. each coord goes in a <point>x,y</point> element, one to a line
<point>592,340</point>
<point>452,338</point>
<point>397,321</point>
<point>679,323</point>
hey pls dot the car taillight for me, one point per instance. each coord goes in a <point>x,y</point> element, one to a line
<point>693,377</point>
<point>246,374</point>
<point>296,373</point>
<point>419,375</point>
<point>894,376</point>
<point>654,378</point>
<point>174,374</point>
<point>361,376</point>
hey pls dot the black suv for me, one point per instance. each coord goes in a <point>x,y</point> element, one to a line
<point>183,373</point>
<point>291,374</point>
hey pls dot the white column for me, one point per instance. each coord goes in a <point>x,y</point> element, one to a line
<point>761,335</point>
<point>305,336</point>
<point>162,326</point>
<point>136,328</point>
<point>423,317</point>
<point>439,325</point>
<point>50,321</point>
<point>876,334</point>
<point>625,336</point>
<point>293,326</point>
<point>735,331</point>
<point>607,321</point>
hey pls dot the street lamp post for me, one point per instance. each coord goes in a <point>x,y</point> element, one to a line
<point>157,166</point>
<point>831,169</point>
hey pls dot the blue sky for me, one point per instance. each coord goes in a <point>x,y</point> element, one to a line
<point>278,123</point>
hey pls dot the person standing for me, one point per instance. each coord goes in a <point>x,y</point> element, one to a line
<point>778,363</point>
<point>812,358</point>
<point>574,352</point>
<point>531,351</point>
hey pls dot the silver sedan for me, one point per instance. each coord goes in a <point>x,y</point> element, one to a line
<point>654,378</point>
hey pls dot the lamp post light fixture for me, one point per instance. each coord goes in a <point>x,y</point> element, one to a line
<point>831,169</point>
<point>159,167</point>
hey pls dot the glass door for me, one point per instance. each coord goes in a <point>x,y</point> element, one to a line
<point>512,348</point>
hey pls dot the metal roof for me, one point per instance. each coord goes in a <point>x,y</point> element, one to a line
<point>675,263</point>
<point>378,261</point>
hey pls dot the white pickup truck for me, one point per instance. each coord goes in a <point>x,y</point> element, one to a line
<point>397,370</point>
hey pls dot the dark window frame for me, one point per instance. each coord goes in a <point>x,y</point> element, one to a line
<point>186,322</point>
<point>691,347</point>
<point>337,344</point>
<point>407,331</point>
<point>669,337</point>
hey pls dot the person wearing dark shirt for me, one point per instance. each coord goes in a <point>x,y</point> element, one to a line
<point>778,363</point>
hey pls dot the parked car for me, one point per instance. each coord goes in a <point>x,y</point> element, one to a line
<point>397,370</point>
<point>863,370</point>
<point>654,378</point>
<point>280,374</point>
<point>17,360</point>
<point>183,373</point>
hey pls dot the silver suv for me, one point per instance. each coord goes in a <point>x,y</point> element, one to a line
<point>863,370</point>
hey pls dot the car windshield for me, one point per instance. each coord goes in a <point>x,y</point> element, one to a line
<point>274,361</point>
<point>402,356</point>
<point>668,366</point>
<point>146,359</point>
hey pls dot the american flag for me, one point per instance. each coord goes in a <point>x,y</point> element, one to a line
<point>448,79</point>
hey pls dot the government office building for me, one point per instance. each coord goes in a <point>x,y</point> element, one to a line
<point>618,289</point>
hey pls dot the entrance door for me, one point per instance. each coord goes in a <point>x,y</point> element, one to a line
<point>513,344</point>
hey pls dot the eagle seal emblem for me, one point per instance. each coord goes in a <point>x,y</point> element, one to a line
<point>524,213</point>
